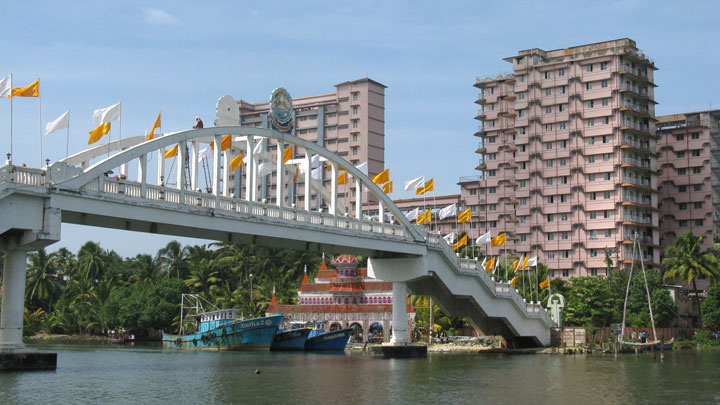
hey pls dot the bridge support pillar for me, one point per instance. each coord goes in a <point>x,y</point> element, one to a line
<point>399,314</point>
<point>13,299</point>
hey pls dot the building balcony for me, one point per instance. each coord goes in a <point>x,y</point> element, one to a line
<point>511,149</point>
<point>481,115</point>
<point>638,163</point>
<point>648,240</point>
<point>481,166</point>
<point>481,99</point>
<point>629,258</point>
<point>641,91</point>
<point>628,106</point>
<point>636,181</point>
<point>627,142</point>
<point>638,219</point>
<point>628,124</point>
<point>637,200</point>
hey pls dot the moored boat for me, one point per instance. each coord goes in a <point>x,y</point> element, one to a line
<point>288,340</point>
<point>666,345</point>
<point>221,330</point>
<point>319,339</point>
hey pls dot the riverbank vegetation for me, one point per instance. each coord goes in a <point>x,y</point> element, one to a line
<point>97,290</point>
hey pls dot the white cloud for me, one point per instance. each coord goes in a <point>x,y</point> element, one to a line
<point>155,16</point>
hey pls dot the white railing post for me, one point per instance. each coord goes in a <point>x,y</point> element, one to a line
<point>142,174</point>
<point>280,177</point>
<point>161,167</point>
<point>250,170</point>
<point>226,171</point>
<point>181,156</point>
<point>194,165</point>
<point>333,191</point>
<point>123,168</point>
<point>308,178</point>
<point>217,141</point>
<point>358,200</point>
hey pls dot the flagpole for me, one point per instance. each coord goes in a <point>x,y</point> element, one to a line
<point>537,286</point>
<point>40,123</point>
<point>11,119</point>
<point>67,139</point>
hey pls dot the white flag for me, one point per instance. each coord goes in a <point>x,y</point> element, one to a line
<point>62,122</point>
<point>532,261</point>
<point>315,161</point>
<point>449,238</point>
<point>483,239</point>
<point>482,266</point>
<point>412,215</point>
<point>415,183</point>
<point>448,211</point>
<point>520,262</point>
<point>363,167</point>
<point>316,173</point>
<point>205,153</point>
<point>107,114</point>
<point>258,147</point>
<point>264,169</point>
<point>5,87</point>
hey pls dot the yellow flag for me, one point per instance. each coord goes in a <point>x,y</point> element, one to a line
<point>525,264</point>
<point>498,240</point>
<point>490,264</point>
<point>420,190</point>
<point>225,143</point>
<point>545,284</point>
<point>464,216</point>
<point>236,162</point>
<point>342,178</point>
<point>428,216</point>
<point>287,154</point>
<point>512,282</point>
<point>97,133</point>
<point>388,188</point>
<point>429,185</point>
<point>297,172</point>
<point>514,264</point>
<point>155,126</point>
<point>420,219</point>
<point>382,177</point>
<point>461,242</point>
<point>172,152</point>
<point>31,90</point>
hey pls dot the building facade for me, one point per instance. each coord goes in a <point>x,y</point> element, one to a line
<point>689,175</point>
<point>568,159</point>
<point>345,297</point>
<point>349,122</point>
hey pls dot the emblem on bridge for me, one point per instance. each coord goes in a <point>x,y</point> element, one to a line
<point>281,110</point>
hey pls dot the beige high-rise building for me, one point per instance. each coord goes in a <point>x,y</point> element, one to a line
<point>568,157</point>
<point>349,121</point>
<point>689,175</point>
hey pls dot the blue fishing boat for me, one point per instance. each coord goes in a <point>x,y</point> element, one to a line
<point>221,330</point>
<point>293,339</point>
<point>319,339</point>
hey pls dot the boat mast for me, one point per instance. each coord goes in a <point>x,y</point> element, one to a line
<point>647,290</point>
<point>627,290</point>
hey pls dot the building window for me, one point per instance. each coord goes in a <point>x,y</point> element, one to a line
<point>608,214</point>
<point>593,234</point>
<point>593,215</point>
<point>354,137</point>
<point>697,204</point>
<point>683,206</point>
<point>593,252</point>
<point>695,153</point>
<point>697,187</point>
<point>590,104</point>
<point>521,96</point>
<point>550,199</point>
<point>548,92</point>
<point>588,68</point>
<point>562,89</point>
<point>473,191</point>
<point>551,236</point>
<point>591,141</point>
<point>606,195</point>
<point>523,183</point>
<point>593,196</point>
<point>591,159</point>
<point>697,170</point>
<point>521,113</point>
<point>606,138</point>
<point>492,156</point>
<point>492,190</point>
<point>591,122</point>
<point>682,189</point>
<point>682,170</point>
<point>355,109</point>
<point>491,139</point>
<point>548,109</point>
<point>548,75</point>
<point>591,177</point>
<point>561,72</point>
<point>698,222</point>
<point>551,218</point>
<point>565,254</point>
<point>604,84</point>
<point>548,145</point>
<point>551,255</point>
<point>605,102</point>
<point>608,233</point>
<point>682,223</point>
<point>562,108</point>
<point>564,198</point>
<point>492,173</point>
<point>523,237</point>
<point>695,135</point>
<point>563,217</point>
<point>680,154</point>
<point>606,120</point>
<point>355,151</point>
<point>549,163</point>
<point>549,181</point>
<point>588,86</point>
<point>607,176</point>
<point>603,65</point>
<point>355,124</point>
<point>521,78</point>
<point>566,273</point>
<point>548,127</point>
<point>355,96</point>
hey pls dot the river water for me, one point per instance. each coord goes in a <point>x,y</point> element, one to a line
<point>96,373</point>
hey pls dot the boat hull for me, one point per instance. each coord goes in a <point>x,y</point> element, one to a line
<point>252,334</point>
<point>333,340</point>
<point>290,340</point>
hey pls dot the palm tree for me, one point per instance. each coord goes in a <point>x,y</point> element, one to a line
<point>41,279</point>
<point>173,259</point>
<point>91,261</point>
<point>145,269</point>
<point>203,276</point>
<point>685,261</point>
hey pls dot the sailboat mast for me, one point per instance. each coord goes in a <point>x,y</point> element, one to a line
<point>647,290</point>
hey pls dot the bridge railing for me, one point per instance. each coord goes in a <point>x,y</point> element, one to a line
<point>130,188</point>
<point>23,175</point>
<point>498,289</point>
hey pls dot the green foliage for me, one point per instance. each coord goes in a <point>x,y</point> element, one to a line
<point>589,302</point>
<point>142,306</point>
<point>711,308</point>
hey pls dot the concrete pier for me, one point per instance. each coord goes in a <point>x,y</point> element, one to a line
<point>27,360</point>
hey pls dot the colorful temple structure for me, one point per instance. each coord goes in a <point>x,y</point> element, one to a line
<point>345,297</point>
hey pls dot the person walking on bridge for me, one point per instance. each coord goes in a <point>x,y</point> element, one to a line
<point>198,123</point>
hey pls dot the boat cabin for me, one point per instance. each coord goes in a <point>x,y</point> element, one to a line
<point>214,319</point>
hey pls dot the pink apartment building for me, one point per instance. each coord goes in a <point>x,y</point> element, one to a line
<point>568,157</point>
<point>349,122</point>
<point>689,175</point>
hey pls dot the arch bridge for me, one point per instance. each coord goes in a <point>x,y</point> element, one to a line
<point>80,190</point>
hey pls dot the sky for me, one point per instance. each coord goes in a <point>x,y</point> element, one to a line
<point>181,56</point>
